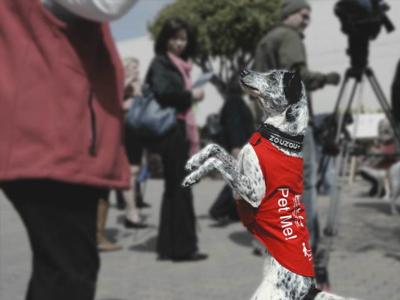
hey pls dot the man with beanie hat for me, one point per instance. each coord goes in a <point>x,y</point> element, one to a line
<point>282,48</point>
<point>290,7</point>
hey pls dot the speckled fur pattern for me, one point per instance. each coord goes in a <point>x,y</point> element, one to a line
<point>281,284</point>
<point>245,177</point>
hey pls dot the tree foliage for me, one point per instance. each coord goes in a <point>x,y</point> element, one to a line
<point>227,32</point>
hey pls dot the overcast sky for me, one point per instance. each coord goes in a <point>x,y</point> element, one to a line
<point>134,24</point>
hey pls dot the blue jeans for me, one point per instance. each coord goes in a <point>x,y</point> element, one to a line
<point>310,185</point>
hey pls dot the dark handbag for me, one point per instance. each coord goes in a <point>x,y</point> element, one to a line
<point>147,118</point>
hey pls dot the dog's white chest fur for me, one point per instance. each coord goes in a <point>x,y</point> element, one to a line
<point>249,164</point>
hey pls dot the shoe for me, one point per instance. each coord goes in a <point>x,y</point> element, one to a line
<point>140,202</point>
<point>143,205</point>
<point>192,257</point>
<point>104,245</point>
<point>130,224</point>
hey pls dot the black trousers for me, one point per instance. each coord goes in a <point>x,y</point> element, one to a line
<point>224,205</point>
<point>177,232</point>
<point>60,219</point>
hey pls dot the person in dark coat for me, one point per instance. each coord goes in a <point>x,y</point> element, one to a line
<point>169,79</point>
<point>237,126</point>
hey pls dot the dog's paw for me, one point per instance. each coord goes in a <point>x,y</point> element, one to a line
<point>191,165</point>
<point>189,181</point>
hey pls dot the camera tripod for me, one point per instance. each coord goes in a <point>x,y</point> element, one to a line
<point>345,145</point>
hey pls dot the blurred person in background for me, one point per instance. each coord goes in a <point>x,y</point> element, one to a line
<point>169,79</point>
<point>282,48</point>
<point>61,139</point>
<point>237,126</point>
<point>382,155</point>
<point>374,168</point>
<point>132,88</point>
<point>134,147</point>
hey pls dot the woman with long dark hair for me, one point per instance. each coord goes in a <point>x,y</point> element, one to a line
<point>169,78</point>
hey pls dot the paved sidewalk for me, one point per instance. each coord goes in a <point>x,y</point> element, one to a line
<point>365,262</point>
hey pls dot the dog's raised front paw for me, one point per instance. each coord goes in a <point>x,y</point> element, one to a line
<point>189,166</point>
<point>189,181</point>
<point>192,164</point>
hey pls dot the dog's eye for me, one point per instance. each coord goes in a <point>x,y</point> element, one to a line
<point>271,77</point>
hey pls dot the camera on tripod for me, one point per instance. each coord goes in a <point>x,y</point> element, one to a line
<point>362,21</point>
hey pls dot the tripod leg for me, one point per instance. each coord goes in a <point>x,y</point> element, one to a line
<point>322,257</point>
<point>323,167</point>
<point>330,228</point>
<point>341,119</point>
<point>377,89</point>
<point>323,253</point>
<point>384,103</point>
<point>342,89</point>
<point>338,162</point>
<point>322,164</point>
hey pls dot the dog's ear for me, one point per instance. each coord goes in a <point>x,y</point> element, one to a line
<point>292,86</point>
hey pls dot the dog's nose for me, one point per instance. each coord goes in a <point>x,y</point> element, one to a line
<point>244,73</point>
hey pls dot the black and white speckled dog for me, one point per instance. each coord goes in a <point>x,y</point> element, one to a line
<point>282,97</point>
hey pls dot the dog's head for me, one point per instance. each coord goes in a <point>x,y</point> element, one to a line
<point>278,92</point>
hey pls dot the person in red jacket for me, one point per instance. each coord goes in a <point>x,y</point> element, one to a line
<point>61,139</point>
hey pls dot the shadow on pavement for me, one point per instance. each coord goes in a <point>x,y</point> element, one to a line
<point>242,238</point>
<point>384,237</point>
<point>147,246</point>
<point>222,223</point>
<point>203,217</point>
<point>393,256</point>
<point>366,248</point>
<point>121,218</point>
<point>111,234</point>
<point>383,207</point>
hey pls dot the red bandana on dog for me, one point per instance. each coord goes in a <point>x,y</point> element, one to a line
<point>279,222</point>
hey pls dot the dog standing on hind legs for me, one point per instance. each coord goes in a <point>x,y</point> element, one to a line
<point>267,181</point>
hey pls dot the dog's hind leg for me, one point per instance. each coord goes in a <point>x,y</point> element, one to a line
<point>211,150</point>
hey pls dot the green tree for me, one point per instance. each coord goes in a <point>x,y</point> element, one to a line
<point>227,32</point>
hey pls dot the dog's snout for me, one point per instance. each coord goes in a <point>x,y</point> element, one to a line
<point>244,73</point>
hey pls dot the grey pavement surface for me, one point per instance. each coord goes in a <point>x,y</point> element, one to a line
<point>365,261</point>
